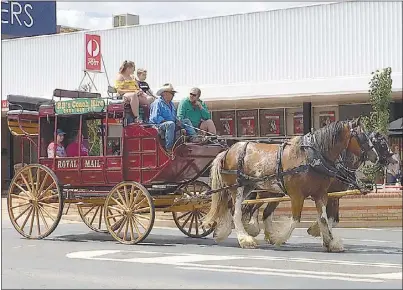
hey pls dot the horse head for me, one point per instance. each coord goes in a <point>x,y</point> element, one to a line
<point>359,142</point>
<point>387,158</point>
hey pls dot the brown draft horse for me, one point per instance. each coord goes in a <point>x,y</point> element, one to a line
<point>300,168</point>
<point>387,159</point>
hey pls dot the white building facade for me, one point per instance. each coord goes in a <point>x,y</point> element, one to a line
<point>276,59</point>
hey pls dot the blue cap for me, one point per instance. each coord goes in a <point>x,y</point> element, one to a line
<point>60,132</point>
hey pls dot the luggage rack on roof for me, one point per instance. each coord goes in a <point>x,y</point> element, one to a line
<point>59,93</point>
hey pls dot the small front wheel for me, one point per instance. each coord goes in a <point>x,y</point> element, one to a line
<point>190,222</point>
<point>129,213</point>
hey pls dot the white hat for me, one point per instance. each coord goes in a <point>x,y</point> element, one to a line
<point>166,88</point>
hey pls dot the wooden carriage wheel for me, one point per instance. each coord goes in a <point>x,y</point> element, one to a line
<point>92,216</point>
<point>190,222</point>
<point>129,212</point>
<point>35,201</point>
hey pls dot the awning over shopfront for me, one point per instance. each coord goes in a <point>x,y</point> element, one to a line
<point>396,128</point>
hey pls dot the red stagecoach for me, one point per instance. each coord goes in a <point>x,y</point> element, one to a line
<point>122,182</point>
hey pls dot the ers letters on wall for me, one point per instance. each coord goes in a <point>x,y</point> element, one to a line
<point>92,53</point>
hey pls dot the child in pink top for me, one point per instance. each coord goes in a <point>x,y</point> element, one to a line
<point>72,148</point>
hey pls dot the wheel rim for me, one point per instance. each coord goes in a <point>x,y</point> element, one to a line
<point>34,201</point>
<point>190,222</point>
<point>93,216</point>
<point>129,213</point>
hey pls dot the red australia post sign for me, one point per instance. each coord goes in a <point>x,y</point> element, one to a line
<point>92,52</point>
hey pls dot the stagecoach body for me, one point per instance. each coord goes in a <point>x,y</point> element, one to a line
<point>131,168</point>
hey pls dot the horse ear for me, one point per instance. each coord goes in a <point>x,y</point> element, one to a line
<point>356,122</point>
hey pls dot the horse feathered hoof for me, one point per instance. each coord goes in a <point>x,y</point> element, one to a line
<point>335,246</point>
<point>314,230</point>
<point>247,242</point>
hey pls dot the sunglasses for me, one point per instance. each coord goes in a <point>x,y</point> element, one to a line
<point>193,95</point>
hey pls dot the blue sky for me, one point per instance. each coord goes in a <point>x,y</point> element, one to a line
<point>98,15</point>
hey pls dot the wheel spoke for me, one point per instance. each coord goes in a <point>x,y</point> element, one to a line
<point>47,197</point>
<point>20,205</point>
<point>196,224</point>
<point>93,217</point>
<point>48,214</point>
<point>19,196</point>
<point>135,226</point>
<point>46,190</point>
<point>187,220</point>
<point>100,217</point>
<point>40,190</point>
<point>139,204</point>
<point>117,209</point>
<point>32,220</point>
<point>26,219</point>
<point>114,215</point>
<point>191,223</point>
<point>141,224</point>
<point>26,183</point>
<point>21,213</point>
<point>126,229</point>
<point>49,205</point>
<point>118,203</point>
<point>121,198</point>
<point>121,226</point>
<point>185,214</point>
<point>43,218</point>
<point>131,229</point>
<point>38,176</point>
<point>22,189</point>
<point>37,221</point>
<point>84,215</point>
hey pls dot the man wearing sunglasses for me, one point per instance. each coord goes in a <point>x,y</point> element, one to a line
<point>196,111</point>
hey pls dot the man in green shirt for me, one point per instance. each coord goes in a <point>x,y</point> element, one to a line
<point>196,111</point>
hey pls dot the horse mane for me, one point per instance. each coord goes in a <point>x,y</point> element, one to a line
<point>325,138</point>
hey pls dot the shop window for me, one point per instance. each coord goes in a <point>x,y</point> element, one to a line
<point>295,121</point>
<point>225,123</point>
<point>247,123</point>
<point>272,122</point>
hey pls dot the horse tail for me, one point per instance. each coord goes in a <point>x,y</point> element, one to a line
<point>219,204</point>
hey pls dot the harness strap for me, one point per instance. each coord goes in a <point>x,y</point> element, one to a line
<point>241,180</point>
<point>279,168</point>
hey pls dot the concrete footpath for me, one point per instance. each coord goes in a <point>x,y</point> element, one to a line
<point>382,209</point>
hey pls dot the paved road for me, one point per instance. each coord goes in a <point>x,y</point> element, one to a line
<point>74,257</point>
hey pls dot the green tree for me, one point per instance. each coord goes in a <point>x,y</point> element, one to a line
<point>380,96</point>
<point>93,124</point>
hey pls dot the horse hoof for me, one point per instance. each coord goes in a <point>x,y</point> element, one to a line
<point>335,246</point>
<point>314,230</point>
<point>253,230</point>
<point>247,242</point>
<point>267,238</point>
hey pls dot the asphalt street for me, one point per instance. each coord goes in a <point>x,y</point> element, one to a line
<point>75,257</point>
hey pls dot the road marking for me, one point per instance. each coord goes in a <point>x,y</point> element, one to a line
<point>294,273</point>
<point>187,261</point>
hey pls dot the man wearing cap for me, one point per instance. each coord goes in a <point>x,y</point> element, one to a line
<point>163,115</point>
<point>196,111</point>
<point>60,151</point>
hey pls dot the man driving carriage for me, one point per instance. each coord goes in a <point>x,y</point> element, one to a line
<point>163,115</point>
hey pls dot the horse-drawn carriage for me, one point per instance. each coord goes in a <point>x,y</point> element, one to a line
<point>119,187</point>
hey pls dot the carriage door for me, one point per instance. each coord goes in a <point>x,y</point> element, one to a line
<point>92,166</point>
<point>114,171</point>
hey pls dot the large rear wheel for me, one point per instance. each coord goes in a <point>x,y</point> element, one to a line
<point>190,222</point>
<point>129,213</point>
<point>35,201</point>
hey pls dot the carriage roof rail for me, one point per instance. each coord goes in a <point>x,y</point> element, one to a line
<point>59,93</point>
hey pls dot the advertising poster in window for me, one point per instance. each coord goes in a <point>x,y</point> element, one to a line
<point>225,123</point>
<point>298,123</point>
<point>270,123</point>
<point>326,117</point>
<point>247,123</point>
